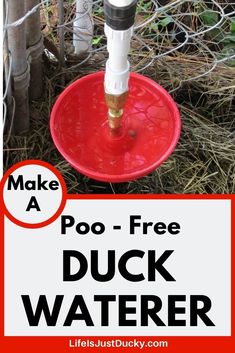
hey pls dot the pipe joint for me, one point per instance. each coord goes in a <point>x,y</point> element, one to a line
<point>21,82</point>
<point>117,66</point>
<point>115,104</point>
<point>120,17</point>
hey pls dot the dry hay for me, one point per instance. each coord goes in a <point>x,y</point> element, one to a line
<point>204,160</point>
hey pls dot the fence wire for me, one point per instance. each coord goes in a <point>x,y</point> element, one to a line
<point>202,30</point>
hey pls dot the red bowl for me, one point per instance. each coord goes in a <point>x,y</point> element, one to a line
<point>150,131</point>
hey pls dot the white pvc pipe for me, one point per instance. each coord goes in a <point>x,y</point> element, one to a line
<point>118,44</point>
<point>117,66</point>
<point>83,27</point>
<point>32,24</point>
<point>120,3</point>
<point>20,67</point>
<point>35,47</point>
<point>17,38</point>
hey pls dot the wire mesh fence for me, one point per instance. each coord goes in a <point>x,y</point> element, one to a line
<point>163,28</point>
<point>205,29</point>
<point>177,43</point>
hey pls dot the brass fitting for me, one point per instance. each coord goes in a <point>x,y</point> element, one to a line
<point>115,118</point>
<point>115,104</point>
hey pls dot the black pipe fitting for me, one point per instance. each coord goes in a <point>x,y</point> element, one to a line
<point>120,18</point>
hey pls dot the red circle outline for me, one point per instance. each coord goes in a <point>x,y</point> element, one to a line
<point>53,170</point>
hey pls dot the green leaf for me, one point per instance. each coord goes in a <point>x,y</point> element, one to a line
<point>153,26</point>
<point>165,21</point>
<point>209,18</point>
<point>232,26</point>
<point>228,38</point>
<point>143,5</point>
<point>96,40</point>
